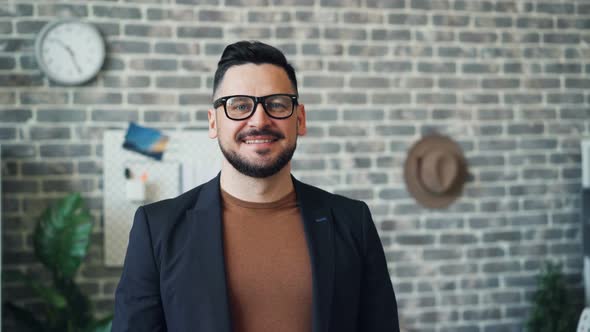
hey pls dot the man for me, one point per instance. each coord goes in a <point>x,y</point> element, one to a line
<point>254,249</point>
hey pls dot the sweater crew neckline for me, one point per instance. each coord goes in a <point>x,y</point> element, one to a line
<point>285,201</point>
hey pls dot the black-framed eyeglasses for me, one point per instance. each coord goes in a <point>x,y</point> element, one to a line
<point>240,107</point>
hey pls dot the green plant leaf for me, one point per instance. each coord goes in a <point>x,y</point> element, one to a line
<point>78,311</point>
<point>553,309</point>
<point>62,236</point>
<point>24,317</point>
<point>101,325</point>
<point>51,296</point>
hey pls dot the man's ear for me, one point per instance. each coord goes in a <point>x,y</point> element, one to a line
<point>301,125</point>
<point>211,115</point>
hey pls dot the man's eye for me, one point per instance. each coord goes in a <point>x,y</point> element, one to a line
<point>277,106</point>
<point>241,107</point>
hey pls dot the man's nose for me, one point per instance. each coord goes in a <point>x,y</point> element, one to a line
<point>259,118</point>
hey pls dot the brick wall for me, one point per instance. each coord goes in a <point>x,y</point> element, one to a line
<point>507,79</point>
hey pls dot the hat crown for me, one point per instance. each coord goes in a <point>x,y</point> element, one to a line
<point>435,171</point>
<point>439,171</point>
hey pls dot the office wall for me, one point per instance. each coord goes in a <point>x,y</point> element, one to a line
<point>506,79</point>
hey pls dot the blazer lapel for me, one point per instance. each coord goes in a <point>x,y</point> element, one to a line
<point>207,248</point>
<point>319,232</point>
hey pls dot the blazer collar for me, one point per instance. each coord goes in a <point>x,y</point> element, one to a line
<point>207,233</point>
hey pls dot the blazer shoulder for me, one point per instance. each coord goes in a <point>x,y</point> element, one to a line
<point>166,212</point>
<point>181,202</point>
<point>323,197</point>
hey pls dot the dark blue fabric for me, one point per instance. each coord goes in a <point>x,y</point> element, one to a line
<point>174,273</point>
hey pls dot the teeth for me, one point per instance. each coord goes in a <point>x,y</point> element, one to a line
<point>258,141</point>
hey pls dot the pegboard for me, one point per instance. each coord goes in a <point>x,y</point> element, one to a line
<point>191,159</point>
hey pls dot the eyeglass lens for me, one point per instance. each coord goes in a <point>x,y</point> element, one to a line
<point>241,107</point>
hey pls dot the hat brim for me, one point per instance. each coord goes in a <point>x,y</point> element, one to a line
<point>411,168</point>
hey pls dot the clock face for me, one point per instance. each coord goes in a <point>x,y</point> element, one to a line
<point>70,52</point>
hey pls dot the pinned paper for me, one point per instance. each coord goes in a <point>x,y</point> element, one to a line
<point>147,141</point>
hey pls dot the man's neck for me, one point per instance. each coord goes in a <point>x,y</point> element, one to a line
<point>256,190</point>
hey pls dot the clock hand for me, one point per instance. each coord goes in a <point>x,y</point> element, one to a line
<point>72,55</point>
<point>60,43</point>
<point>70,52</point>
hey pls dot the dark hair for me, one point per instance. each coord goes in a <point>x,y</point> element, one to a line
<point>244,52</point>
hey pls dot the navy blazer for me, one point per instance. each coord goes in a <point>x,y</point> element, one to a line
<point>174,272</point>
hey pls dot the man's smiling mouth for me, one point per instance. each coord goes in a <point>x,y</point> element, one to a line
<point>259,141</point>
<point>264,136</point>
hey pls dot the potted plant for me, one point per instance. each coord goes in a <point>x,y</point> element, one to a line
<point>554,308</point>
<point>61,239</point>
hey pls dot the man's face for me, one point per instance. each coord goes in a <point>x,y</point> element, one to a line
<point>259,146</point>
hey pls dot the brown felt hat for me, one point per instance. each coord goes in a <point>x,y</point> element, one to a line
<point>435,171</point>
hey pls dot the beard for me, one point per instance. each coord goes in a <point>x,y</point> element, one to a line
<point>258,170</point>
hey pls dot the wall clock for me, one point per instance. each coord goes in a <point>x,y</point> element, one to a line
<point>70,52</point>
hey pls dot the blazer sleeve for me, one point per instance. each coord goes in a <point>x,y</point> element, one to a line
<point>378,307</point>
<point>138,305</point>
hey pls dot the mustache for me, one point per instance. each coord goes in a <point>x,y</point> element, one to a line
<point>260,132</point>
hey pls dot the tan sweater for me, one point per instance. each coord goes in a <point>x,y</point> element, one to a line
<point>268,267</point>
